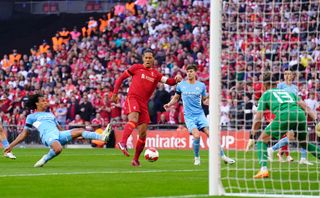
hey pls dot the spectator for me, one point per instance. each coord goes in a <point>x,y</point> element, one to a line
<point>61,114</point>
<point>77,122</point>
<point>225,109</point>
<point>86,109</point>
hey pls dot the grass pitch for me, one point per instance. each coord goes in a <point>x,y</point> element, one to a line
<point>107,173</point>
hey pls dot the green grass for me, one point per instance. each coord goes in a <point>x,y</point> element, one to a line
<point>106,173</point>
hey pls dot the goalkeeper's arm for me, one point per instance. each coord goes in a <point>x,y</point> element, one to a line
<point>308,110</point>
<point>255,127</point>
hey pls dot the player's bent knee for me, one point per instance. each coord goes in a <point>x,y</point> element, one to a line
<point>290,135</point>
<point>57,148</point>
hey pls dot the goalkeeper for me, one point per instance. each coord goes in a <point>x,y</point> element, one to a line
<point>290,115</point>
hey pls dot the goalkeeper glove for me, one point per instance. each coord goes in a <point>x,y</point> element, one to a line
<point>250,143</point>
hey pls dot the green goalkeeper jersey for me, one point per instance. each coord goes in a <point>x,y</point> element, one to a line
<point>279,102</point>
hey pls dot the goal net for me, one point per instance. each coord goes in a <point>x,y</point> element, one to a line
<point>257,37</point>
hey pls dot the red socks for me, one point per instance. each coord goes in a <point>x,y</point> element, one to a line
<point>284,150</point>
<point>128,128</point>
<point>139,147</point>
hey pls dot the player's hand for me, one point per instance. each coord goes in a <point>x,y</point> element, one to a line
<point>178,78</point>
<point>166,106</point>
<point>7,150</point>
<point>206,101</point>
<point>250,144</point>
<point>114,98</point>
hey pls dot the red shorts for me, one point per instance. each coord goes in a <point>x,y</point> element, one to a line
<point>133,104</point>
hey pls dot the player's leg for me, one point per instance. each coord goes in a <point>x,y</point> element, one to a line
<point>196,146</point>
<point>303,151</point>
<point>226,159</point>
<point>5,144</point>
<point>282,145</point>
<point>88,135</point>
<point>262,145</point>
<point>193,129</point>
<point>133,109</point>
<point>275,129</point>
<point>51,140</point>
<point>144,119</point>
<point>302,138</point>
<point>142,129</point>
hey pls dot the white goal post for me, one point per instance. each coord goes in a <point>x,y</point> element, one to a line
<point>215,185</point>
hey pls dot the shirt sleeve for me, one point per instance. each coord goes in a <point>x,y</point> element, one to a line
<point>29,122</point>
<point>159,76</point>
<point>203,91</point>
<point>132,70</point>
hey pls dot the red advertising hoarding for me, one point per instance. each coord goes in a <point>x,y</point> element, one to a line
<point>172,139</point>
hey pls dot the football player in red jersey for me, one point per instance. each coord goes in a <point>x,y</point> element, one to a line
<point>144,82</point>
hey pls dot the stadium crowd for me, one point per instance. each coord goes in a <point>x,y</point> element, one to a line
<point>78,68</point>
<point>267,35</point>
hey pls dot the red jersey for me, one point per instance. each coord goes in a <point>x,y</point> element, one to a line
<point>144,81</point>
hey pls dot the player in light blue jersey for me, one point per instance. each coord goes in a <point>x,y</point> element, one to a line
<point>51,133</point>
<point>193,93</point>
<point>283,143</point>
<point>5,144</point>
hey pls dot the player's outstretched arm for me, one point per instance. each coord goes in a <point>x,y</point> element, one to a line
<point>19,139</point>
<point>255,127</point>
<point>307,109</point>
<point>118,83</point>
<point>173,101</point>
<point>171,81</point>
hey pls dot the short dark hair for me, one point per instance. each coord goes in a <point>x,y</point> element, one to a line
<point>269,78</point>
<point>192,66</point>
<point>32,101</point>
<point>148,51</point>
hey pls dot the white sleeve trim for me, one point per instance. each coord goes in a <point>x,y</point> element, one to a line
<point>164,79</point>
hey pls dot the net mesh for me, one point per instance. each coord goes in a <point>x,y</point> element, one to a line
<point>260,36</point>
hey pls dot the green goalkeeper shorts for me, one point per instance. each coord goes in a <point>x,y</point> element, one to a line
<point>297,122</point>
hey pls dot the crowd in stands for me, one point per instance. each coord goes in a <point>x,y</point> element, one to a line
<point>267,35</point>
<point>77,69</point>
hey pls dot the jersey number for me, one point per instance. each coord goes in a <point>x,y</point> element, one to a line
<point>283,97</point>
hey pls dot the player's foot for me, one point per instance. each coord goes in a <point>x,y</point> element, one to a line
<point>135,163</point>
<point>289,159</point>
<point>9,155</point>
<point>106,133</point>
<point>41,162</point>
<point>123,148</point>
<point>262,174</point>
<point>197,161</point>
<point>228,160</point>
<point>270,154</point>
<point>305,162</point>
<point>280,158</point>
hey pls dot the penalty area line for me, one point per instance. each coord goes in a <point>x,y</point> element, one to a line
<point>99,172</point>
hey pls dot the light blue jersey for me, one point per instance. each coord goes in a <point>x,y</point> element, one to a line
<point>191,95</point>
<point>46,124</point>
<point>289,88</point>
